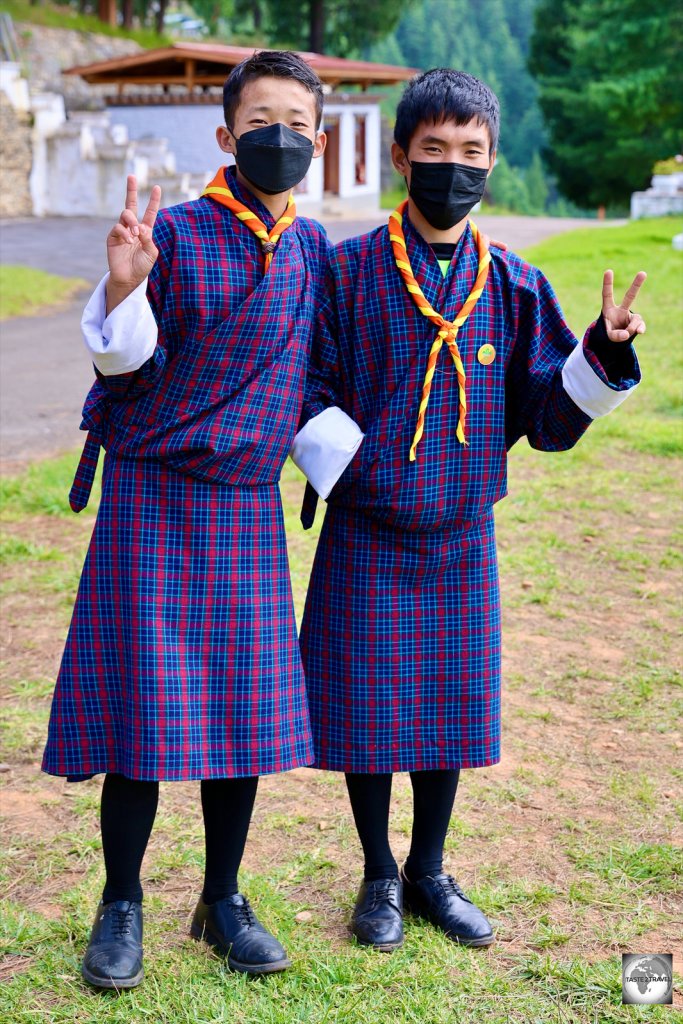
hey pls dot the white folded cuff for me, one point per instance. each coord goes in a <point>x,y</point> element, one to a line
<point>124,340</point>
<point>324,447</point>
<point>587,390</point>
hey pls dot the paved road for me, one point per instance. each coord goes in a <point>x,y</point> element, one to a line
<point>44,371</point>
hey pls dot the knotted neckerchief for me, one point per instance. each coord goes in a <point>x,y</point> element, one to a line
<point>218,190</point>
<point>448,330</point>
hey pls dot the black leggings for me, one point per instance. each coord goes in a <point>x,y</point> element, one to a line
<point>433,798</point>
<point>127,814</point>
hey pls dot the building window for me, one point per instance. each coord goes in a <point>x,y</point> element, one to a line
<point>360,162</point>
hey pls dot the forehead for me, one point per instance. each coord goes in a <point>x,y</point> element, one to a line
<point>277,95</point>
<point>451,133</point>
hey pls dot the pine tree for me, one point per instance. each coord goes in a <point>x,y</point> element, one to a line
<point>611,90</point>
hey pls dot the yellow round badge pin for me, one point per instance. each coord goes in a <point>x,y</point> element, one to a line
<point>486,355</point>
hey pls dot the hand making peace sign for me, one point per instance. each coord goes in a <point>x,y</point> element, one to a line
<point>131,253</point>
<point>620,322</point>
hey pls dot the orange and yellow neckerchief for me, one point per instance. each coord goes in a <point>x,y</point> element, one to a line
<point>219,191</point>
<point>448,330</point>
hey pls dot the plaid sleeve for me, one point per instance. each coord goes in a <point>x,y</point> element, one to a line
<point>323,379</point>
<point>536,402</point>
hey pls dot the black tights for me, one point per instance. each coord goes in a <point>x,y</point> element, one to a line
<point>127,814</point>
<point>433,797</point>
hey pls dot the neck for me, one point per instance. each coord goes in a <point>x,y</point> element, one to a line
<point>276,205</point>
<point>430,233</point>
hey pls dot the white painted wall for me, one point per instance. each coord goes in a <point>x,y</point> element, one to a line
<point>366,195</point>
<point>14,86</point>
<point>189,130</point>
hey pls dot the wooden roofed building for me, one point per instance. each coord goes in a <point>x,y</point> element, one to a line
<point>175,92</point>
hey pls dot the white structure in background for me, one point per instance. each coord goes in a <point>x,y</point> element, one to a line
<point>664,196</point>
<point>80,163</point>
<point>176,91</point>
<point>14,86</point>
<point>166,135</point>
<point>350,168</point>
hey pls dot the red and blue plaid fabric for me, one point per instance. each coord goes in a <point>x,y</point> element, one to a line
<point>182,659</point>
<point>401,632</point>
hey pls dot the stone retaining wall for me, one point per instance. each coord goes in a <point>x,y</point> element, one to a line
<point>15,161</point>
<point>45,51</point>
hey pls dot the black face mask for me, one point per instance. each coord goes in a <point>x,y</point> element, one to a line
<point>445,193</point>
<point>274,158</point>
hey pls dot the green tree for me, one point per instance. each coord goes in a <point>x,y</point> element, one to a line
<point>338,26</point>
<point>488,40</point>
<point>610,87</point>
<point>536,184</point>
<point>212,12</point>
<point>507,188</point>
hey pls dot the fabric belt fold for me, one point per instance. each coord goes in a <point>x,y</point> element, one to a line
<point>309,506</point>
<point>85,473</point>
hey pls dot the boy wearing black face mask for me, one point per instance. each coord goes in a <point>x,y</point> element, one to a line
<point>437,353</point>
<point>182,660</point>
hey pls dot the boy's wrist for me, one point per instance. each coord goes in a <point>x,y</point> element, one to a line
<point>118,291</point>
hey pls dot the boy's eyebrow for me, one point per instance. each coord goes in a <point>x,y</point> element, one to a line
<point>479,141</point>
<point>265,109</point>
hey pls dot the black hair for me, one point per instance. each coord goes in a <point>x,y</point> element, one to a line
<point>443,94</point>
<point>275,63</point>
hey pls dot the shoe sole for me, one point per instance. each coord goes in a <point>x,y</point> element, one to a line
<point>485,940</point>
<point>383,947</point>
<point>204,935</point>
<point>110,983</point>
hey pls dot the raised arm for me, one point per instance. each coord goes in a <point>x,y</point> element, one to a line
<point>120,323</point>
<point>556,386</point>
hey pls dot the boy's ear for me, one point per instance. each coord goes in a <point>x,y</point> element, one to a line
<point>492,160</point>
<point>225,140</point>
<point>399,160</point>
<point>319,144</point>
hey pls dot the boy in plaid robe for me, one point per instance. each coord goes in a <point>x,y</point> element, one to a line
<point>437,353</point>
<point>182,660</point>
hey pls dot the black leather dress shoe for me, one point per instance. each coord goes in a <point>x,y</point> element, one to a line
<point>113,958</point>
<point>232,928</point>
<point>440,900</point>
<point>378,915</point>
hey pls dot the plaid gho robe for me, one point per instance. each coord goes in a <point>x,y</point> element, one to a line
<point>401,632</point>
<point>182,660</point>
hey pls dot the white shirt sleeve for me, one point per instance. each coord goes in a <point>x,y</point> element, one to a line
<point>324,447</point>
<point>124,340</point>
<point>587,390</point>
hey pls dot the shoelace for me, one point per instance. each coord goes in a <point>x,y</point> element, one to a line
<point>451,887</point>
<point>244,914</point>
<point>381,893</point>
<point>122,923</point>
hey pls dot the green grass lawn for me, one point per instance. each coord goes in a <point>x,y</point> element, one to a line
<point>572,845</point>
<point>25,291</point>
